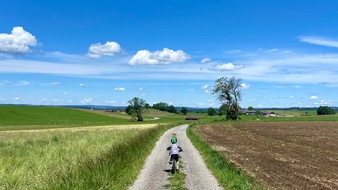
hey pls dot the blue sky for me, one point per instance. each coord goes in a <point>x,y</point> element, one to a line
<point>101,52</point>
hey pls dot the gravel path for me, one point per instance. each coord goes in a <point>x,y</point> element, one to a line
<point>154,175</point>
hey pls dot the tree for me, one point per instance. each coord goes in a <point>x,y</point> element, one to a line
<point>172,109</point>
<point>228,91</point>
<point>184,110</point>
<point>325,110</point>
<point>147,106</point>
<point>161,106</point>
<point>129,110</point>
<point>211,111</point>
<point>137,106</point>
<point>222,110</point>
<point>250,108</point>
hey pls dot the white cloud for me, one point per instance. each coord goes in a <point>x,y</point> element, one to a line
<point>205,60</point>
<point>314,97</point>
<point>245,86</point>
<point>297,86</point>
<point>111,102</point>
<point>165,56</point>
<point>278,86</point>
<point>205,86</point>
<point>55,83</point>
<point>227,67</point>
<point>140,89</point>
<point>20,83</point>
<point>86,100</point>
<point>19,41</point>
<point>119,89</point>
<point>82,85</point>
<point>319,41</point>
<point>108,49</point>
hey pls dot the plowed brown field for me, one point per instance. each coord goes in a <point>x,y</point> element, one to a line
<point>280,155</point>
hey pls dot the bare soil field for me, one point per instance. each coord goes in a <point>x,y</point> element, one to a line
<point>280,155</point>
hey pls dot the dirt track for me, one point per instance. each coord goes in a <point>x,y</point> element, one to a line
<point>155,172</point>
<point>283,155</point>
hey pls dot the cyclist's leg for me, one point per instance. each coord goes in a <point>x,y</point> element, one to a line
<point>177,161</point>
<point>170,159</point>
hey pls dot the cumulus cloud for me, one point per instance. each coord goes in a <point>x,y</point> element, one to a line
<point>111,101</point>
<point>314,97</point>
<point>86,100</point>
<point>227,67</point>
<point>19,41</point>
<point>245,86</point>
<point>205,60</point>
<point>165,56</point>
<point>206,88</point>
<point>319,41</point>
<point>119,89</point>
<point>108,49</point>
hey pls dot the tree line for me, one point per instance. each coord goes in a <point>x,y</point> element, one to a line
<point>228,91</point>
<point>137,106</point>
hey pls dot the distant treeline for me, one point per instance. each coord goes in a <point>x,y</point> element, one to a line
<point>165,106</point>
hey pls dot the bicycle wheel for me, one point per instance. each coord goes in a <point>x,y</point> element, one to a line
<point>173,167</point>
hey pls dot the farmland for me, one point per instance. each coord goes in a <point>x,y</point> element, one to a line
<point>62,148</point>
<point>282,155</point>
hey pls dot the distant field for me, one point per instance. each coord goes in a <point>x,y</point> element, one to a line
<point>35,117</point>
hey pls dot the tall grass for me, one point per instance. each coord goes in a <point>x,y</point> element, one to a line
<point>115,168</point>
<point>30,160</point>
<point>227,175</point>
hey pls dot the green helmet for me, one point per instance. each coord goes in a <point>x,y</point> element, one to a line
<point>174,140</point>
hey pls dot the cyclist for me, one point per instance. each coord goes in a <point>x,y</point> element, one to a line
<point>174,150</point>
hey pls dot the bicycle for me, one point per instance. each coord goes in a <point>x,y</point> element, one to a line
<point>173,167</point>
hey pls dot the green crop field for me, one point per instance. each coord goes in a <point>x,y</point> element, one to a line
<point>35,117</point>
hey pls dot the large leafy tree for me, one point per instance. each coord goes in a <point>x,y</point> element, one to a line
<point>161,106</point>
<point>325,110</point>
<point>228,92</point>
<point>172,109</point>
<point>211,111</point>
<point>137,106</point>
<point>184,110</point>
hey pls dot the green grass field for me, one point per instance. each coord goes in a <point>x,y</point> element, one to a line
<point>28,117</point>
<point>29,160</point>
<point>97,158</point>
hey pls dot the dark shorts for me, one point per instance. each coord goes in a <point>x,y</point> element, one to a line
<point>174,156</point>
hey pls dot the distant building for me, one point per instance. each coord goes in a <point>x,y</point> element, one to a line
<point>269,114</point>
<point>248,112</point>
<point>192,118</point>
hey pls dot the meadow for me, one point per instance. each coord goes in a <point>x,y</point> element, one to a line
<point>30,160</point>
<point>81,150</point>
